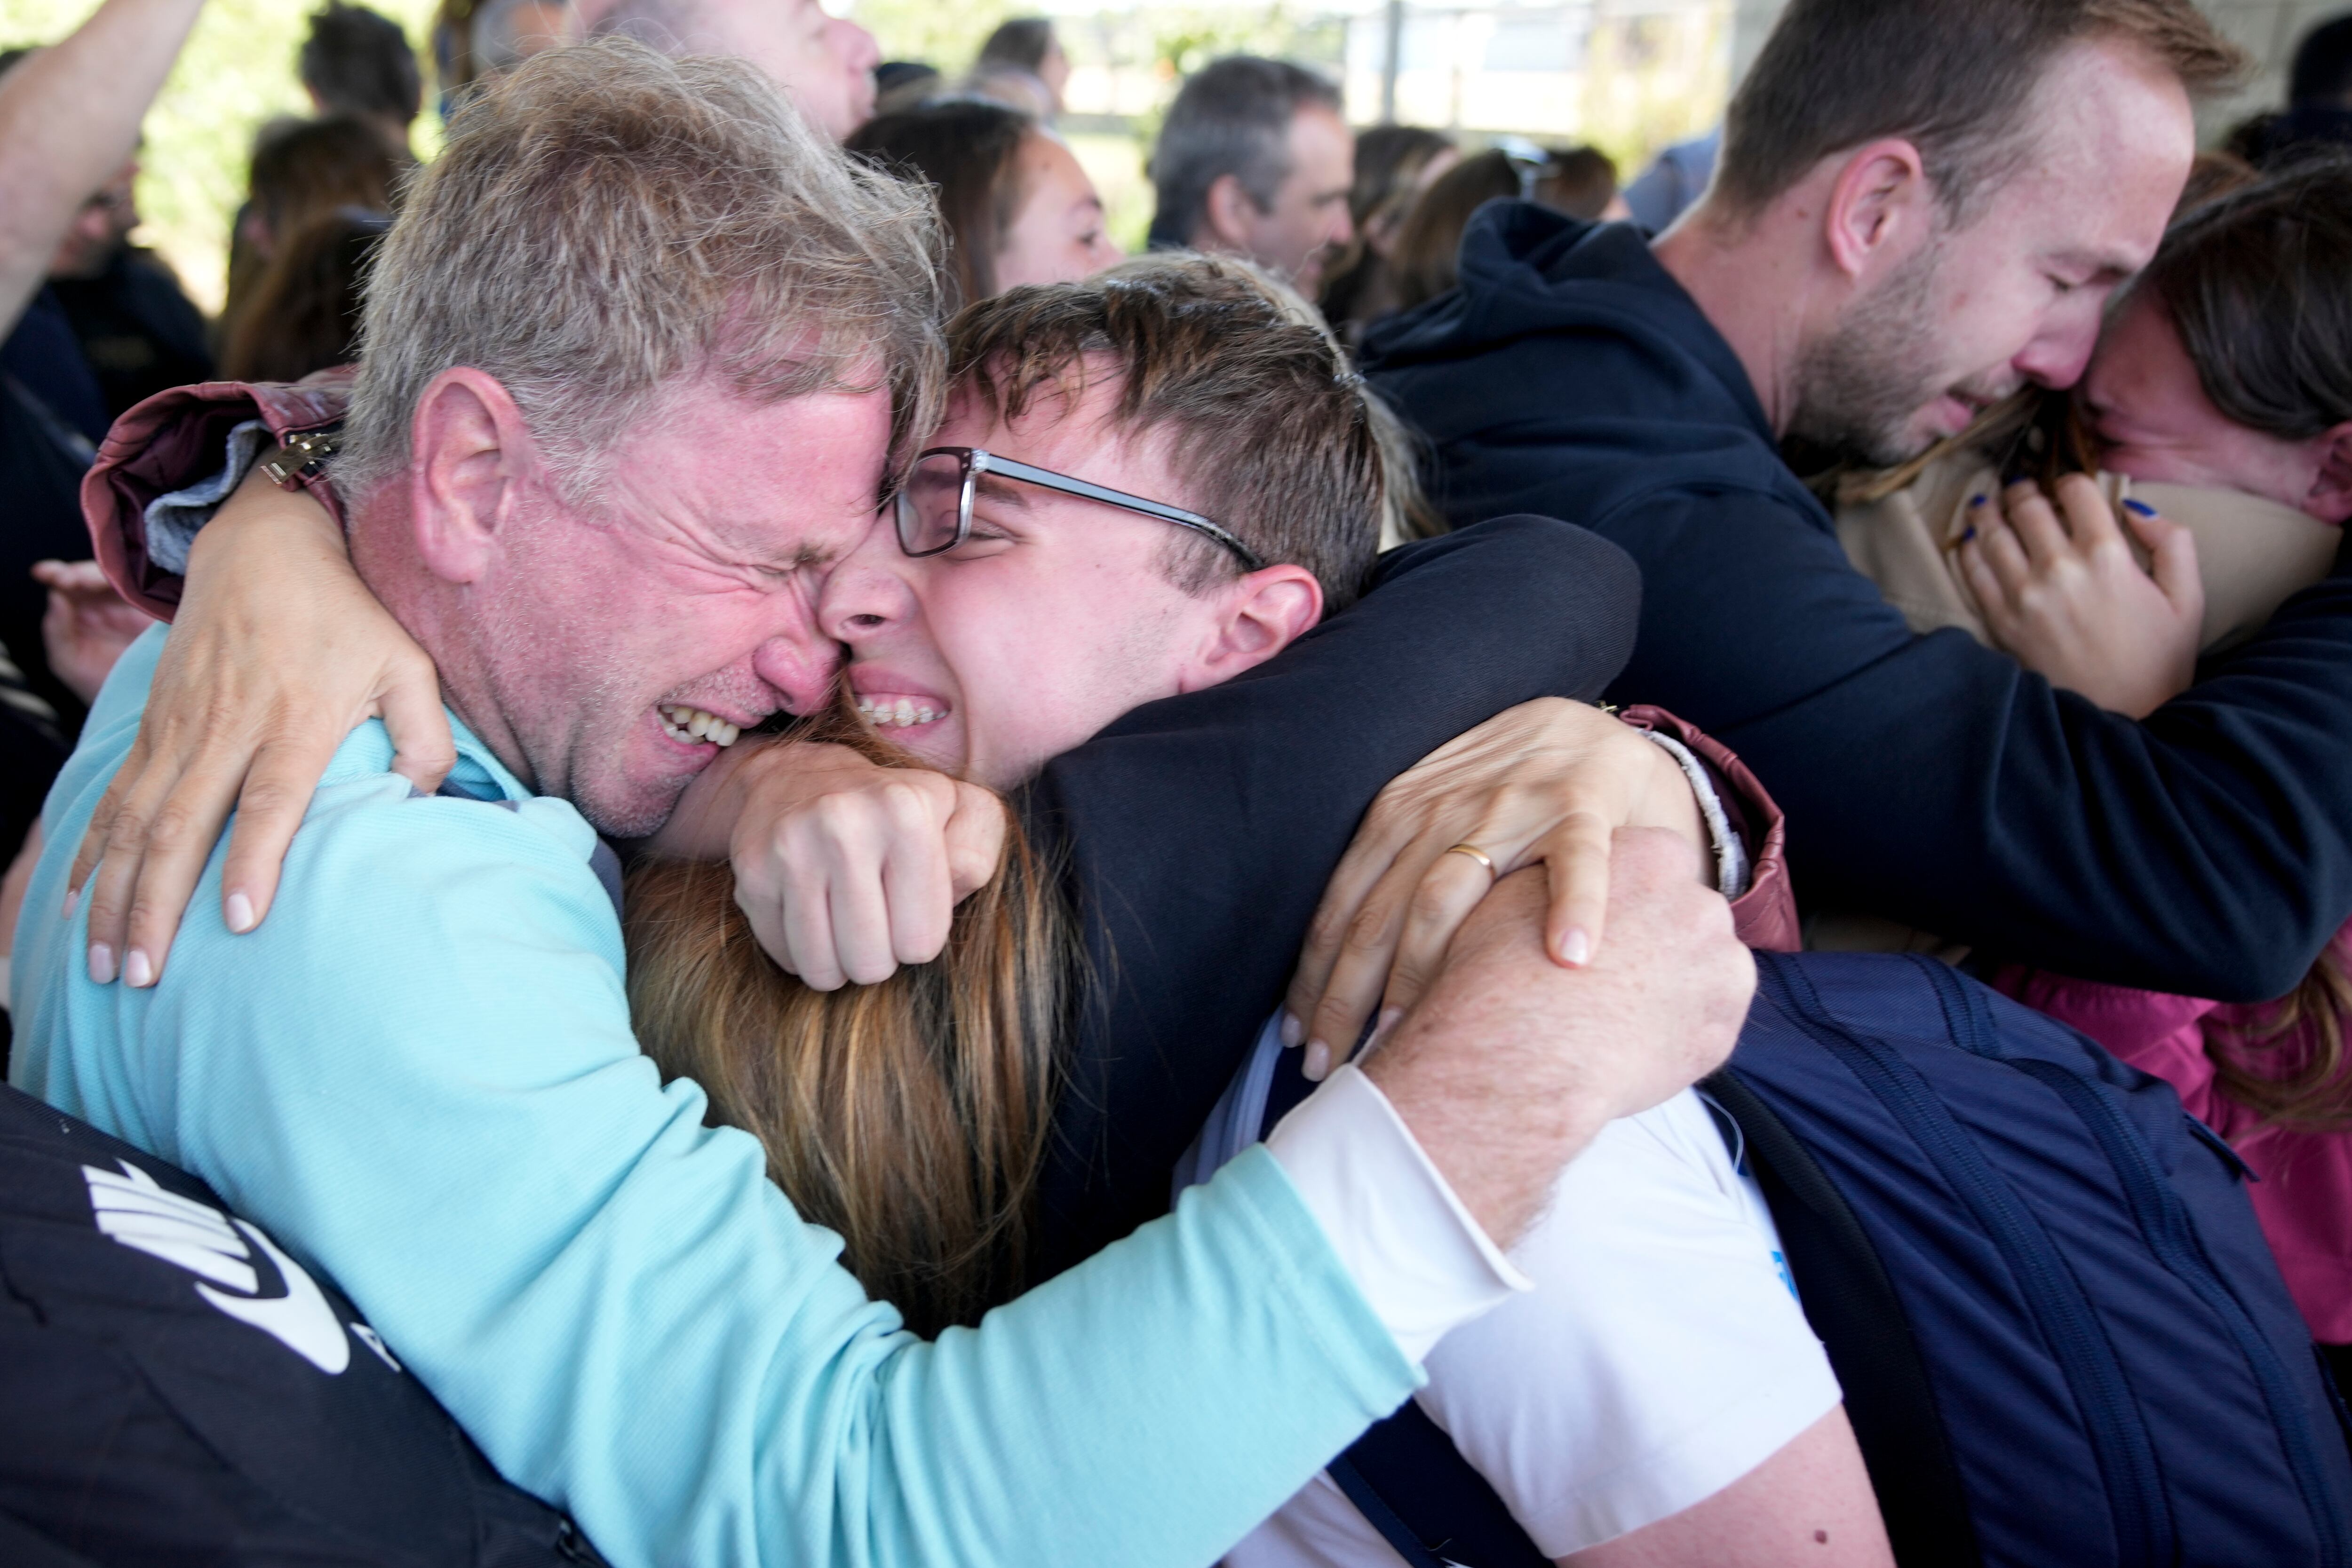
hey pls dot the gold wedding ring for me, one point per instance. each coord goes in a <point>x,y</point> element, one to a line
<point>1476,853</point>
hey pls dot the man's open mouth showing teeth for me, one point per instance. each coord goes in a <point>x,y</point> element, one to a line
<point>886,713</point>
<point>691,724</point>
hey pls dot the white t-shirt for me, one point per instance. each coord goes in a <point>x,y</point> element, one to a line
<point>1661,1357</point>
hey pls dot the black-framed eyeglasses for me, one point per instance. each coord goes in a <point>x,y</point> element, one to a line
<point>934,508</point>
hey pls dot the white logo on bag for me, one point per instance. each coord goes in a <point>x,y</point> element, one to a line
<point>139,1214</point>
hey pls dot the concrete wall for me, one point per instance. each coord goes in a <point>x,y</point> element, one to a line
<point>2268,29</point>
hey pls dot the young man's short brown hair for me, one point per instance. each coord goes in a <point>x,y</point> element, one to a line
<point>1955,77</point>
<point>1274,436</point>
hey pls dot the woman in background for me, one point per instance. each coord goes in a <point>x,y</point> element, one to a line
<point>1023,62</point>
<point>1394,165</point>
<point>302,171</point>
<point>1580,182</point>
<point>303,315</point>
<point>1018,206</point>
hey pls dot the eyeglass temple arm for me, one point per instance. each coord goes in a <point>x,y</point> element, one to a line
<point>990,463</point>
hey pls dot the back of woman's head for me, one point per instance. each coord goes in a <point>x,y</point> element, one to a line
<point>1580,182</point>
<point>907,1116</point>
<point>1021,43</point>
<point>303,315</point>
<point>302,168</point>
<point>1389,162</point>
<point>2258,282</point>
<point>1424,259</point>
<point>968,152</point>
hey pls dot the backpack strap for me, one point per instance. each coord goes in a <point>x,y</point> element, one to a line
<point>1404,1475</point>
<point>1851,1304</point>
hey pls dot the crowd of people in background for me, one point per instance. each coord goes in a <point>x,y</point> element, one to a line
<point>1254,160</point>
<point>1954,503</point>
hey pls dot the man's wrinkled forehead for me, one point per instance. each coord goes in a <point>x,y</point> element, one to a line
<point>784,484</point>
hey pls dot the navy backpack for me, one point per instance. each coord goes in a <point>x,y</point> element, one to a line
<point>2061,1335</point>
<point>175,1390</point>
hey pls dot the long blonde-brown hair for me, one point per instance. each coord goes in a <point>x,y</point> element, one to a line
<point>910,1116</point>
<point>2286,1061</point>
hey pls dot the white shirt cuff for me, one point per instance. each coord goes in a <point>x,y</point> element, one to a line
<point>1730,855</point>
<point>1424,1263</point>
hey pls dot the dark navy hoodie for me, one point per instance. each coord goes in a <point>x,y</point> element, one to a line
<point>2207,848</point>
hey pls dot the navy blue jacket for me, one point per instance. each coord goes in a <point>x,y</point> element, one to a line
<point>2207,848</point>
<point>1197,832</point>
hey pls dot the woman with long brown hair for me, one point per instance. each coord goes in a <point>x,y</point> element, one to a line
<point>910,1114</point>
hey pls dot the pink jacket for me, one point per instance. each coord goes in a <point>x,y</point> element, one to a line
<point>2304,1195</point>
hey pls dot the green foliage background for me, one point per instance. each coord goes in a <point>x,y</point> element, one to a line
<point>236,72</point>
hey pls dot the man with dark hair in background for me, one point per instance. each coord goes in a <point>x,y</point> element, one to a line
<point>1921,210</point>
<point>1254,160</point>
<point>359,63</point>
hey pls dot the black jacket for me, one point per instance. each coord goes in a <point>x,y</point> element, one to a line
<point>1198,832</point>
<point>2207,848</point>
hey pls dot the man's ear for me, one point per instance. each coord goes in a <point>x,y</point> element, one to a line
<point>2330,499</point>
<point>1227,216</point>
<point>1880,208</point>
<point>470,449</point>
<point>1257,617</point>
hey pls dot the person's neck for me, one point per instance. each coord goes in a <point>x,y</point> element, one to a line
<point>1754,286</point>
<point>438,615</point>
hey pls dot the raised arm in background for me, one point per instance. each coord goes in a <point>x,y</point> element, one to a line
<point>68,117</point>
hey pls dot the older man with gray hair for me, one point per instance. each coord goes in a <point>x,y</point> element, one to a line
<point>642,354</point>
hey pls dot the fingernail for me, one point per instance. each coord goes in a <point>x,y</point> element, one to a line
<point>2139,509</point>
<point>1318,1063</point>
<point>101,964</point>
<point>1977,501</point>
<point>73,901</point>
<point>239,909</point>
<point>1575,947</point>
<point>137,969</point>
<point>1291,1031</point>
<point>1967,533</point>
<point>1390,1017</point>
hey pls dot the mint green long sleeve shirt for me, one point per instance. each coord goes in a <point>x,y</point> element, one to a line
<point>419,1075</point>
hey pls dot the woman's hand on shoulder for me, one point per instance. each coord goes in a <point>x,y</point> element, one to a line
<point>277,651</point>
<point>1549,781</point>
<point>845,868</point>
<point>2062,591</point>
